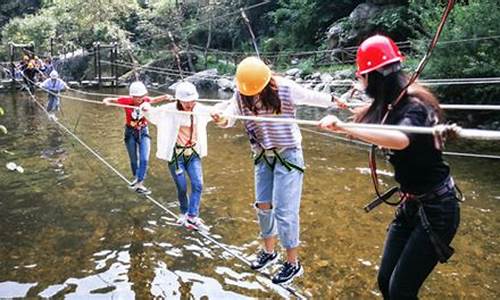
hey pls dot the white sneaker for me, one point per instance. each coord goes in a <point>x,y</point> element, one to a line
<point>182,219</point>
<point>133,183</point>
<point>196,224</point>
<point>141,189</point>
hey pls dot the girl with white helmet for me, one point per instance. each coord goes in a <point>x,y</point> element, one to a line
<point>137,138</point>
<point>182,142</point>
<point>54,85</point>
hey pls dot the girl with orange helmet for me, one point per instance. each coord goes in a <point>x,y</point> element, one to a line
<point>428,216</point>
<point>278,156</point>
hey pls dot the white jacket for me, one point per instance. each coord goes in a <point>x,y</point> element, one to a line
<point>168,124</point>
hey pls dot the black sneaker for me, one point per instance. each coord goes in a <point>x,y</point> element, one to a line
<point>287,273</point>
<point>264,259</point>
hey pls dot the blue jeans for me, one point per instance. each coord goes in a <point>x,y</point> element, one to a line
<point>191,204</point>
<point>409,256</point>
<point>138,145</point>
<point>282,189</point>
<point>53,104</point>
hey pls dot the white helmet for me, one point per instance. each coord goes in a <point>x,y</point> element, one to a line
<point>186,92</point>
<point>138,89</point>
<point>54,74</point>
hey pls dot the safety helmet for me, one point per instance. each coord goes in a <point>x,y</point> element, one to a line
<point>375,52</point>
<point>54,74</point>
<point>252,76</point>
<point>186,92</point>
<point>26,57</point>
<point>138,89</point>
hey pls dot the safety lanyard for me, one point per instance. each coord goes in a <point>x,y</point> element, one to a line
<point>372,160</point>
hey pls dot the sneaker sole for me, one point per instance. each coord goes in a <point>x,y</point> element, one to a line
<point>300,273</point>
<point>271,262</point>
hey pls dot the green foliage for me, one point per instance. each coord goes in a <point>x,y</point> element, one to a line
<point>212,62</point>
<point>457,56</point>
<point>398,22</point>
<point>17,8</point>
<point>36,28</point>
<point>300,24</point>
<point>467,58</point>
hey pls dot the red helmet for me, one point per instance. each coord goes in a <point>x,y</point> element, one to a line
<point>375,52</point>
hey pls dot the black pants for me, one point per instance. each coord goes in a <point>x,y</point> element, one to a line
<point>409,256</point>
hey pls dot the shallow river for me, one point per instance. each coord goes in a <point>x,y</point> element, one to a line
<point>70,228</point>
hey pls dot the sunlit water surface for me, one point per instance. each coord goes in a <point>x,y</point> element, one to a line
<point>71,228</point>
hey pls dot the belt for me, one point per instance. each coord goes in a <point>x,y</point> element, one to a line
<point>184,150</point>
<point>437,192</point>
<point>269,152</point>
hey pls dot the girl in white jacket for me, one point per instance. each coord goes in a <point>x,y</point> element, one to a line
<point>182,141</point>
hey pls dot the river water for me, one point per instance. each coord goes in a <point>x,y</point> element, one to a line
<point>70,228</point>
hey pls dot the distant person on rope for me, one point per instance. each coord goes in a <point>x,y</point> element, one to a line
<point>53,85</point>
<point>182,142</point>
<point>428,216</point>
<point>277,149</point>
<point>29,71</point>
<point>137,139</point>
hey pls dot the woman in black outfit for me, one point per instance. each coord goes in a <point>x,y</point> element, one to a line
<point>427,218</point>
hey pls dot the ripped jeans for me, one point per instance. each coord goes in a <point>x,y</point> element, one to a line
<point>282,189</point>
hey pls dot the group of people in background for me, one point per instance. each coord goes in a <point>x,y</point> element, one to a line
<point>37,72</point>
<point>33,69</point>
<point>427,218</point>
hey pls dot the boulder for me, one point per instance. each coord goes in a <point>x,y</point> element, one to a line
<point>294,72</point>
<point>326,77</point>
<point>204,79</point>
<point>226,84</point>
<point>348,31</point>
<point>342,74</point>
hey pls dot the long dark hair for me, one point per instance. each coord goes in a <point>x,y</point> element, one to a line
<point>385,89</point>
<point>269,99</point>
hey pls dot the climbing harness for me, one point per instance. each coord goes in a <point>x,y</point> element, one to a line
<point>187,151</point>
<point>271,156</point>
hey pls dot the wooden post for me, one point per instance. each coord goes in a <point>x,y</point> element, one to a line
<point>115,67</point>
<point>51,47</point>
<point>12,65</point>
<point>99,70</point>
<point>94,49</point>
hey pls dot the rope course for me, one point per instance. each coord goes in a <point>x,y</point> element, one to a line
<point>341,82</point>
<point>477,134</point>
<point>206,235</point>
<point>468,107</point>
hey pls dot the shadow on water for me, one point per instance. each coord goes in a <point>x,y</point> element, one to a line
<point>70,228</point>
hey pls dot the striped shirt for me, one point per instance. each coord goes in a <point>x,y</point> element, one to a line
<point>269,135</point>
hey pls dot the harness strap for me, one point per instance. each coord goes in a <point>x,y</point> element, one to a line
<point>443,251</point>
<point>277,157</point>
<point>187,158</point>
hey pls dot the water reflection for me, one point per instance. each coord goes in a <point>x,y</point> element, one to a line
<point>70,228</point>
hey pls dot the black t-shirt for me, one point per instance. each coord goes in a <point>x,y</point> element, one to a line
<point>419,167</point>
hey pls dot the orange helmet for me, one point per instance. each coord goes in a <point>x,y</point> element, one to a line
<point>252,76</point>
<point>375,52</point>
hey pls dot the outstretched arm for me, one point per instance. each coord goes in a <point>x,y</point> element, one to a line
<point>161,98</point>
<point>223,119</point>
<point>108,100</point>
<point>391,139</point>
<point>302,96</point>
